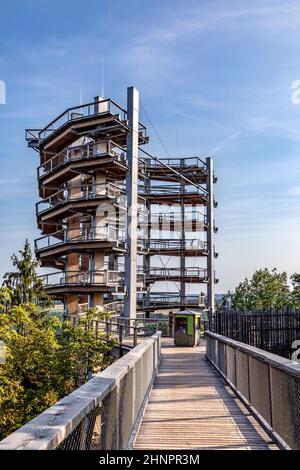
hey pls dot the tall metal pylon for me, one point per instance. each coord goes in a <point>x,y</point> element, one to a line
<point>132,148</point>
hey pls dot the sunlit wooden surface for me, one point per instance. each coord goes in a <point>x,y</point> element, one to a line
<point>190,407</point>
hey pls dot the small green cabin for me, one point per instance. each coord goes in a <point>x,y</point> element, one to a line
<point>186,328</point>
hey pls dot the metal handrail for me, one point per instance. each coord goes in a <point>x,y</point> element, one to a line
<point>266,383</point>
<point>172,299</point>
<point>32,134</point>
<point>107,277</point>
<point>180,163</point>
<point>177,217</point>
<point>172,272</point>
<point>124,326</point>
<point>87,191</point>
<point>105,233</point>
<point>177,244</point>
<point>100,277</point>
<point>84,110</point>
<point>165,221</point>
<point>181,176</point>
<point>173,189</point>
<point>87,151</point>
<point>115,306</point>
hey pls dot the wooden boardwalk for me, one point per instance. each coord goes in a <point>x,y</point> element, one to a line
<point>191,407</point>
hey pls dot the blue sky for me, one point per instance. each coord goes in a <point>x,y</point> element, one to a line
<point>215,77</point>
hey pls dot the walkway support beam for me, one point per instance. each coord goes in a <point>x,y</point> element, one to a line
<point>132,201</point>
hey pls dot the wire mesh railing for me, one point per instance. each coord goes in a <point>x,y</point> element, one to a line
<point>92,277</point>
<point>177,244</point>
<point>81,152</point>
<point>181,164</point>
<point>95,108</point>
<point>268,384</point>
<point>127,331</point>
<point>101,414</point>
<point>107,233</point>
<point>177,273</point>
<point>170,300</point>
<point>80,192</point>
<point>173,189</point>
<point>100,277</point>
<point>167,218</point>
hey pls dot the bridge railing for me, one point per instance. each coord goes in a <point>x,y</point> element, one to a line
<point>101,414</point>
<point>273,330</point>
<point>269,385</point>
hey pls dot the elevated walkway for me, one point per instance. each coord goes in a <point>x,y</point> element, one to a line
<point>191,407</point>
<point>160,397</point>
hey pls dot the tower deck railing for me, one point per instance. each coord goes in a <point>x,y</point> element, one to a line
<point>178,163</point>
<point>177,272</point>
<point>81,152</point>
<point>173,189</point>
<point>105,233</point>
<point>170,300</point>
<point>101,277</point>
<point>173,244</point>
<point>94,108</point>
<point>82,192</point>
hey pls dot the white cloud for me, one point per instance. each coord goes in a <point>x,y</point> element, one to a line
<point>295,191</point>
<point>220,145</point>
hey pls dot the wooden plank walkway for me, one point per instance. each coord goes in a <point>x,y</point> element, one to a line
<point>191,407</point>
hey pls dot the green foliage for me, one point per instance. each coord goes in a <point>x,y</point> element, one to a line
<point>295,295</point>
<point>5,298</point>
<point>24,283</point>
<point>45,359</point>
<point>265,290</point>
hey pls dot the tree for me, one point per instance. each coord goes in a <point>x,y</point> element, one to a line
<point>265,290</point>
<point>24,283</point>
<point>295,295</point>
<point>41,358</point>
<point>44,360</point>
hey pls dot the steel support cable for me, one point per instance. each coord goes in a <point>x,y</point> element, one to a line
<point>160,161</point>
<point>156,131</point>
<point>178,175</point>
<point>195,259</point>
<point>164,267</point>
<point>176,180</point>
<point>194,183</point>
<point>164,165</point>
<point>178,233</point>
<point>181,177</point>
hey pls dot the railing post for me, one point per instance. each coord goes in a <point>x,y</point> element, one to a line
<point>107,326</point>
<point>270,395</point>
<point>134,336</point>
<point>249,378</point>
<point>120,336</point>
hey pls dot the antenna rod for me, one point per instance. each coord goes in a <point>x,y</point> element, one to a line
<point>102,85</point>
